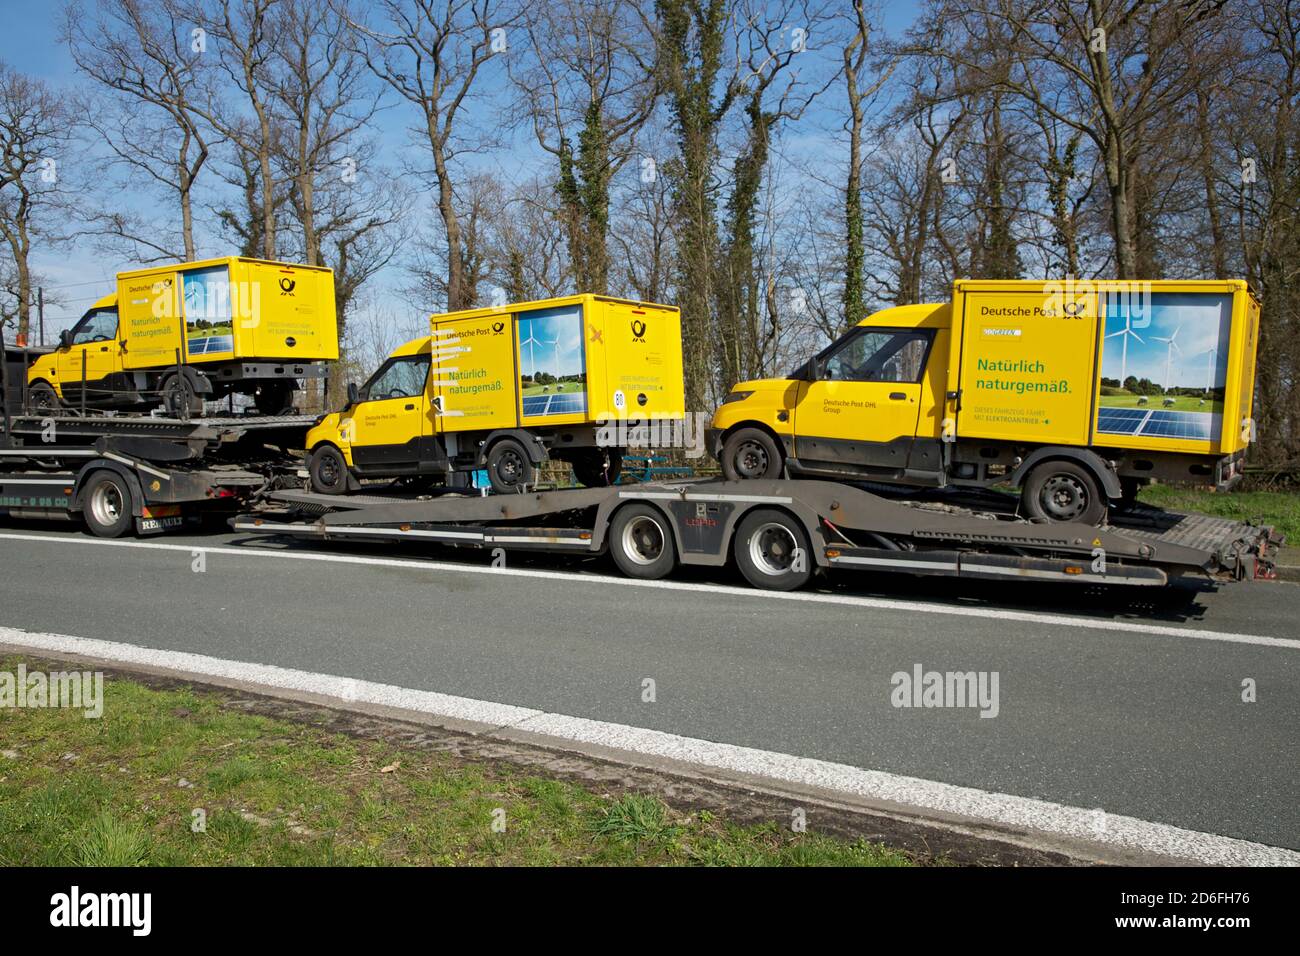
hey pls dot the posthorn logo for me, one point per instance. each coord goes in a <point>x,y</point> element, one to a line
<point>638,330</point>
<point>287,286</point>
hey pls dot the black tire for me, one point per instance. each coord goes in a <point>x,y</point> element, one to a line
<point>641,542</point>
<point>41,398</point>
<point>751,453</point>
<point>1062,491</point>
<point>107,505</point>
<point>509,467</point>
<point>275,398</point>
<point>328,471</point>
<point>1130,488</point>
<point>598,468</point>
<point>767,549</point>
<point>179,398</point>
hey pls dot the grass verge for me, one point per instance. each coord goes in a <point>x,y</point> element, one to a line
<point>175,778</point>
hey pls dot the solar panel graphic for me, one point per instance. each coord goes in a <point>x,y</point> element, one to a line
<point>1155,423</point>
<point>565,403</point>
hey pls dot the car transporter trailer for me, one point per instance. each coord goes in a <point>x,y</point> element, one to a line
<point>124,473</point>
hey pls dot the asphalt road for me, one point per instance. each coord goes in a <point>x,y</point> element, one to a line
<point>1093,709</point>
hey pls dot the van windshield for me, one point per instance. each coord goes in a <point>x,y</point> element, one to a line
<point>878,355</point>
<point>97,325</point>
<point>401,377</point>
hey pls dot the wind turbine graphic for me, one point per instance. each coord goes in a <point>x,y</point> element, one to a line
<point>556,343</point>
<point>1124,334</point>
<point>1209,369</point>
<point>1169,354</point>
<point>531,341</point>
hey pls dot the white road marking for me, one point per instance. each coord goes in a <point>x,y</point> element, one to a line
<point>996,808</point>
<point>748,594</point>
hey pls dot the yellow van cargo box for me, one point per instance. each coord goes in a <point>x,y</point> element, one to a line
<point>571,360</point>
<point>1147,365</point>
<point>223,309</point>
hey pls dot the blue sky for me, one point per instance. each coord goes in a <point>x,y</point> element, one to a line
<point>76,275</point>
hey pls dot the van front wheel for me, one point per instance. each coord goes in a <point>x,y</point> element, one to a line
<point>1061,491</point>
<point>750,453</point>
<point>328,470</point>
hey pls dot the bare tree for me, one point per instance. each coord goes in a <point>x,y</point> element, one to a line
<point>860,87</point>
<point>247,35</point>
<point>589,87</point>
<point>35,133</point>
<point>145,54</point>
<point>432,54</point>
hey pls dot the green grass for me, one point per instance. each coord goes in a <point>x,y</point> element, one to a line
<point>1182,403</point>
<point>1278,508</point>
<point>123,790</point>
<point>555,389</point>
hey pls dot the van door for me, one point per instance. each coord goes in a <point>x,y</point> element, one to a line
<point>94,341</point>
<point>390,424</point>
<point>862,408</point>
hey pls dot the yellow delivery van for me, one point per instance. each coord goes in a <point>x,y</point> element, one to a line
<point>178,335</point>
<point>501,389</point>
<point>1078,393</point>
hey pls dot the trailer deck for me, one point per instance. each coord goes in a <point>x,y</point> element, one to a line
<point>780,532</point>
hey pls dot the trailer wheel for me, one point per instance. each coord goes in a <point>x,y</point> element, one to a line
<point>750,453</point>
<point>328,471</point>
<point>641,543</point>
<point>772,550</point>
<point>107,505</point>
<point>597,468</point>
<point>509,467</point>
<point>1060,491</point>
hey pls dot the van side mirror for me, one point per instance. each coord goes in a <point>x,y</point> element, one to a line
<point>65,338</point>
<point>354,393</point>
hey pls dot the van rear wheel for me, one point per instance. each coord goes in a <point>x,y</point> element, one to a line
<point>597,468</point>
<point>179,398</point>
<point>1062,491</point>
<point>509,467</point>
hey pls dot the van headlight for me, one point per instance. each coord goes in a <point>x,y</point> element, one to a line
<point>736,397</point>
